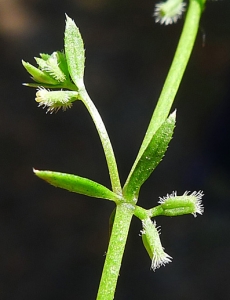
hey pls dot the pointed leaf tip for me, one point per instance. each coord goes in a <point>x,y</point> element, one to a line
<point>75,53</point>
<point>77,184</point>
<point>173,114</point>
<point>150,158</point>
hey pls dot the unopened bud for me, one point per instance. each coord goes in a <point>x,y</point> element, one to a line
<point>152,243</point>
<point>169,12</point>
<point>54,100</point>
<point>173,205</point>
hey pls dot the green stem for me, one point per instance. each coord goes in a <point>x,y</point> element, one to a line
<point>176,71</point>
<point>109,154</point>
<point>124,213</point>
<point>142,213</point>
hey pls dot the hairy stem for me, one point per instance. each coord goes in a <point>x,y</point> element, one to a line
<point>176,71</point>
<point>124,213</point>
<point>107,146</point>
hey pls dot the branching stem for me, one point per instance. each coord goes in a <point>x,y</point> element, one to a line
<point>124,211</point>
<point>107,146</point>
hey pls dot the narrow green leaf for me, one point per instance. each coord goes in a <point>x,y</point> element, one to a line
<point>74,51</point>
<point>51,65</point>
<point>63,63</point>
<point>44,56</point>
<point>39,75</point>
<point>150,158</point>
<point>44,85</point>
<point>77,184</point>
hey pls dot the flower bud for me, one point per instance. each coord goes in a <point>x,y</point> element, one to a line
<point>169,12</point>
<point>152,243</point>
<point>54,100</point>
<point>173,205</point>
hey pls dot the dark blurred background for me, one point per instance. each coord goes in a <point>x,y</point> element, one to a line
<point>52,242</point>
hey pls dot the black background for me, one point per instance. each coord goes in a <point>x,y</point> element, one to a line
<point>52,242</point>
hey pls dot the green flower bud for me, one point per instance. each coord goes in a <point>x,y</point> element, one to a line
<point>54,100</point>
<point>151,240</point>
<point>173,205</point>
<point>169,12</point>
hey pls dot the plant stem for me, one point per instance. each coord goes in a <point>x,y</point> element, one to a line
<point>124,213</point>
<point>107,146</point>
<point>176,71</point>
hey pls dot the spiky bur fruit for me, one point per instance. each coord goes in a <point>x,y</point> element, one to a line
<point>54,100</point>
<point>151,240</point>
<point>169,12</point>
<point>173,205</point>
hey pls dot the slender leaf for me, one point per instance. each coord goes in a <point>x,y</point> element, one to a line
<point>150,158</point>
<point>74,51</point>
<point>39,75</point>
<point>77,184</point>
